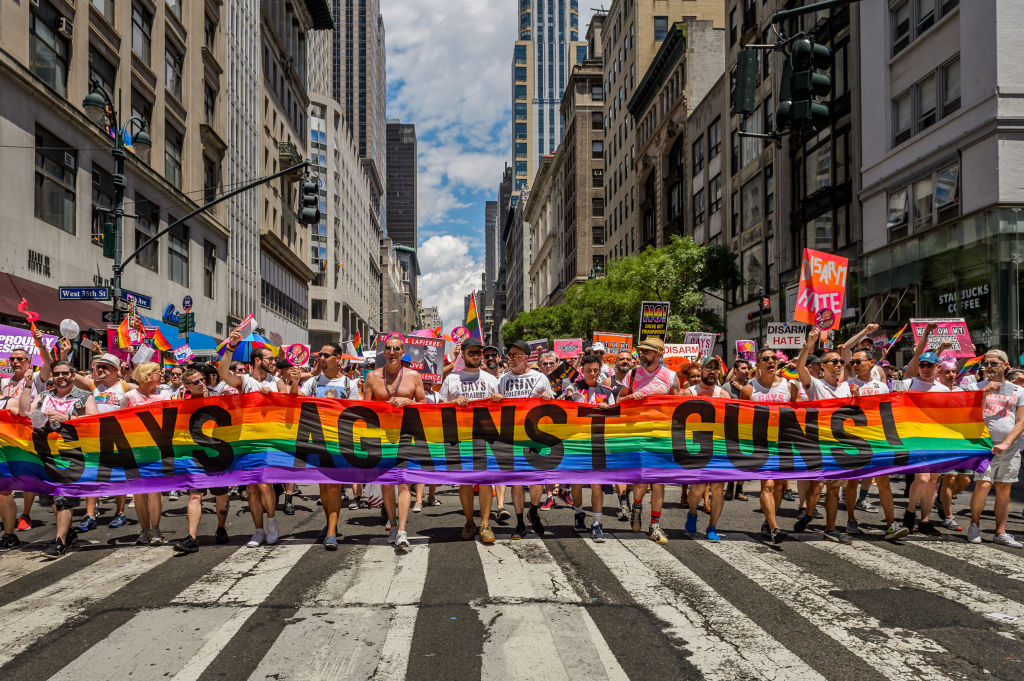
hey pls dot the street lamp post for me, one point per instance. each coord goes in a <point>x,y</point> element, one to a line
<point>99,106</point>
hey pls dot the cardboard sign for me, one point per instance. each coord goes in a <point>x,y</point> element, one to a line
<point>536,347</point>
<point>561,372</point>
<point>706,341</point>
<point>953,330</point>
<point>615,342</point>
<point>183,354</point>
<point>822,287</point>
<point>426,355</point>
<point>680,355</point>
<point>746,349</point>
<point>653,320</point>
<point>786,335</point>
<point>125,353</point>
<point>568,348</point>
<point>297,354</point>
<point>143,354</point>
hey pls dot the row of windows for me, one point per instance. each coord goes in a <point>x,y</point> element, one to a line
<point>911,18</point>
<point>925,202</point>
<point>932,98</point>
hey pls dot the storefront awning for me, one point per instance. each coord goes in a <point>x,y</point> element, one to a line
<point>45,301</point>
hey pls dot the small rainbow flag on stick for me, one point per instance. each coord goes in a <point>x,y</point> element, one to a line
<point>358,344</point>
<point>895,339</point>
<point>788,373</point>
<point>160,343</point>
<point>971,366</point>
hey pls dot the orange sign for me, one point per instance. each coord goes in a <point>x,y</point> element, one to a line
<point>822,287</point>
<point>614,344</point>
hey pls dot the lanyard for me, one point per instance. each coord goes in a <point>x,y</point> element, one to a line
<point>398,381</point>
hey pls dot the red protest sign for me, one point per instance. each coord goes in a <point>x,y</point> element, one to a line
<point>568,348</point>
<point>822,287</point>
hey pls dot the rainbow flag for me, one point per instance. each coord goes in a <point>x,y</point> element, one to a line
<point>971,366</point>
<point>358,344</point>
<point>161,343</point>
<point>438,332</point>
<point>169,361</point>
<point>899,334</point>
<point>786,372</point>
<point>473,320</point>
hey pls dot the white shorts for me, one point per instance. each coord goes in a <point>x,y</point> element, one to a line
<point>1003,468</point>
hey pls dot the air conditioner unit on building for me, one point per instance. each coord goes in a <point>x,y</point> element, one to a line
<point>65,27</point>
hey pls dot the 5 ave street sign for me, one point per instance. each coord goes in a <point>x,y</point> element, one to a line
<point>84,293</point>
<point>145,302</point>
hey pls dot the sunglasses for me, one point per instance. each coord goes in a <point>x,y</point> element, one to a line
<point>548,364</point>
<point>490,355</point>
<point>101,367</point>
<point>325,355</point>
<point>198,382</point>
<point>473,353</point>
<point>19,359</point>
<point>925,365</point>
<point>392,349</point>
<point>991,364</point>
<point>176,374</point>
<point>832,361</point>
<point>61,373</point>
<point>768,358</point>
<point>855,362</point>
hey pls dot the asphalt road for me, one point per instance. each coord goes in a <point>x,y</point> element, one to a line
<point>556,607</point>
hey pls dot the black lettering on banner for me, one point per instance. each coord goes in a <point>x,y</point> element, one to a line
<point>704,440</point>
<point>412,442</point>
<point>347,420</point>
<point>801,441</point>
<point>225,455</point>
<point>597,415</point>
<point>861,455</point>
<point>309,440</point>
<point>501,441</point>
<point>115,452</point>
<point>759,450</point>
<point>534,457</point>
<point>450,433</point>
<point>900,457</point>
<point>72,458</point>
<point>162,434</point>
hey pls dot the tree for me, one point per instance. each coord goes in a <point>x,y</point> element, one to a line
<point>678,272</point>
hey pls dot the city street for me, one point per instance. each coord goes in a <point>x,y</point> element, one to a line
<point>561,607</point>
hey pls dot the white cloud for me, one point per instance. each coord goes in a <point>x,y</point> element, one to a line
<point>449,269</point>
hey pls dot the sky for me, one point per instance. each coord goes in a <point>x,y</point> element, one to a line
<point>449,72</point>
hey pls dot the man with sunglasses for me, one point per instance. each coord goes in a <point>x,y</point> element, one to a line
<point>766,386</point>
<point>1003,411</point>
<point>399,386</point>
<point>491,365</point>
<point>707,387</point>
<point>650,377</point>
<point>22,378</point>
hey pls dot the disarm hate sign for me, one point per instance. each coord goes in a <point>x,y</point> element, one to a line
<point>822,286</point>
<point>786,335</point>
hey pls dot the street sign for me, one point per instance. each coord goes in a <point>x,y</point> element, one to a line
<point>186,321</point>
<point>84,293</point>
<point>186,303</point>
<point>108,317</point>
<point>145,302</point>
<point>121,304</point>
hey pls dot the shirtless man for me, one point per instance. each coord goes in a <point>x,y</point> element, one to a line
<point>399,387</point>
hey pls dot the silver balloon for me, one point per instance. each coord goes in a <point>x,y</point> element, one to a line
<point>69,329</point>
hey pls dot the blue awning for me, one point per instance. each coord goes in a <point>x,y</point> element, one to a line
<point>196,341</point>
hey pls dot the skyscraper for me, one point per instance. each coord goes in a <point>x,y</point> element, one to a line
<point>547,49</point>
<point>401,183</point>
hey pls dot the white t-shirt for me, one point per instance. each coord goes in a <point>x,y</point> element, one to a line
<point>109,399</point>
<point>919,386</point>
<point>701,390</point>
<point>822,390</point>
<point>999,409</point>
<point>341,387</point>
<point>475,385</point>
<point>251,385</point>
<point>518,386</point>
<point>872,387</point>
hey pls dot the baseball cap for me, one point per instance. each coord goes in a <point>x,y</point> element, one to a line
<point>108,358</point>
<point>491,347</point>
<point>406,359</point>
<point>929,357</point>
<point>521,345</point>
<point>598,347</point>
<point>813,359</point>
<point>655,344</point>
<point>708,361</point>
<point>471,343</point>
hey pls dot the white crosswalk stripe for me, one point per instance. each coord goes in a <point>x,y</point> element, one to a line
<point>17,564</point>
<point>987,557</point>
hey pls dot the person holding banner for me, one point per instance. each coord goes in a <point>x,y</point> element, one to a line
<point>707,387</point>
<point>148,505</point>
<point>399,386</point>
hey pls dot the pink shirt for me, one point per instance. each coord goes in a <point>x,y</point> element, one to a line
<point>134,398</point>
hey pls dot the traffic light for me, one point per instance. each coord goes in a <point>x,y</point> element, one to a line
<point>805,84</point>
<point>744,83</point>
<point>108,239</point>
<point>309,202</point>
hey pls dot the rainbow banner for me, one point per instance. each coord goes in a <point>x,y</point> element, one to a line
<point>251,438</point>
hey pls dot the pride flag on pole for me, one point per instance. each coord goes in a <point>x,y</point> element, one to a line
<point>160,343</point>
<point>357,343</point>
<point>896,338</point>
<point>473,319</point>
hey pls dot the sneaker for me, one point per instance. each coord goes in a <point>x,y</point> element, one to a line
<point>354,505</point>
<point>387,525</point>
<point>909,520</point>
<point>766,531</point>
<point>623,511</point>
<point>778,536</point>
<point>88,524</point>
<point>258,537</point>
<point>865,506</point>
<point>597,532</point>
<point>691,523</point>
<point>896,531</point>
<point>520,531</point>
<point>852,527</point>
<point>289,507</point>
<point>929,529</point>
<point>144,538</point>
<point>802,521</point>
<point>157,538</point>
<point>579,523</point>
<point>974,533</point>
<point>55,550</point>
<point>131,501</point>
<point>789,495</point>
<point>567,498</point>
<point>186,545</point>
<point>656,534</point>
<point>538,526</point>
<point>636,518</point>
<point>331,543</point>
<point>9,541</point>
<point>836,536</point>
<point>24,523</point>
<point>393,535</point>
<point>950,523</point>
<point>468,531</point>
<point>504,516</point>
<point>486,534</point>
<point>1007,540</point>
<point>221,537</point>
<point>549,504</point>
<point>363,505</point>
<point>712,534</point>
<point>418,508</point>
<point>273,533</point>
<point>173,495</point>
<point>402,539</point>
<point>119,520</point>
<point>433,502</point>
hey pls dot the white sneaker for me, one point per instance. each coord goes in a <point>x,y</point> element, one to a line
<point>273,533</point>
<point>1005,540</point>
<point>157,537</point>
<point>258,537</point>
<point>393,535</point>
<point>402,540</point>
<point>131,501</point>
<point>974,534</point>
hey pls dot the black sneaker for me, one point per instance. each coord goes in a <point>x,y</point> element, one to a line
<point>72,537</point>
<point>222,536</point>
<point>538,526</point>
<point>186,545</point>
<point>789,495</point>
<point>802,521</point>
<point>579,523</point>
<point>778,536</point>
<point>909,519</point>
<point>503,516</point>
<point>55,550</point>
<point>766,530</point>
<point>929,529</point>
<point>520,530</point>
<point>836,537</point>
<point>9,541</point>
<point>289,507</point>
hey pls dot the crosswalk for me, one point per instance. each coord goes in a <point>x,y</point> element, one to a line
<point>552,608</point>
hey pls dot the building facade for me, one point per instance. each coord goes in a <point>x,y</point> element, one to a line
<point>514,293</point>
<point>401,183</point>
<point>543,219</point>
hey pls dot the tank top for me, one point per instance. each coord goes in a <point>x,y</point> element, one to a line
<point>775,393</point>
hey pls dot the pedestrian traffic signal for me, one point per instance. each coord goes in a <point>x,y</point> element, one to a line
<point>806,84</point>
<point>744,83</point>
<point>309,202</point>
<point>108,239</point>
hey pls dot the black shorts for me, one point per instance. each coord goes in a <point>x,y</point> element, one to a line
<point>215,491</point>
<point>62,503</point>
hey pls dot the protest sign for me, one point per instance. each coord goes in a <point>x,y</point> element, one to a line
<point>124,353</point>
<point>13,338</point>
<point>746,349</point>
<point>426,355</point>
<point>953,330</point>
<point>706,341</point>
<point>182,354</point>
<point>786,335</point>
<point>679,355</point>
<point>536,347</point>
<point>275,437</point>
<point>615,342</point>
<point>653,320</point>
<point>297,354</point>
<point>568,348</point>
<point>561,372</point>
<point>822,286</point>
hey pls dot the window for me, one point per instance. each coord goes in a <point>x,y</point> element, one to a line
<point>146,226</point>
<point>520,74</point>
<point>923,200</point>
<point>48,49</point>
<point>698,155</point>
<point>735,214</point>
<point>752,146</point>
<point>596,93</point>
<point>106,8</point>
<point>520,54</point>
<point>753,272</point>
<point>209,269</point>
<point>596,149</point>
<point>698,207</point>
<point>317,308</point>
<point>734,155</point>
<point>902,128</point>
<point>55,181</point>
<point>172,156</point>
<point>520,167</point>
<point>175,7</point>
<point>209,103</point>
<point>597,207</point>
<point>581,54</point>
<point>925,91</point>
<point>912,18</point>
<point>841,158</point>
<point>173,61</point>
<point>101,69</point>
<point>521,149</point>
<point>597,235</point>
<point>951,87</point>
<point>209,31</point>
<point>102,198</point>
<point>900,17</point>
<point>675,200</point>
<point>660,28</point>
<point>520,92</point>
<point>715,194</point>
<point>714,138</point>
<point>142,32</point>
<point>597,177</point>
<point>925,14</point>
<point>211,178</point>
<point>520,109</point>
<point>751,199</point>
<point>947,192</point>
<point>840,74</point>
<point>819,233</point>
<point>769,190</point>
<point>898,214</point>
<point>818,172</point>
<point>732,27</point>
<point>596,120</point>
<point>177,253</point>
